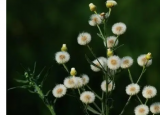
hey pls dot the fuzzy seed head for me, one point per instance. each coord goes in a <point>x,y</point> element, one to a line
<point>87,97</point>
<point>141,110</point>
<point>62,57</point>
<point>85,79</point>
<point>95,19</point>
<point>70,82</point>
<point>113,62</point>
<point>119,28</point>
<point>142,61</point>
<point>84,38</point>
<point>110,86</point>
<point>149,92</point>
<point>126,62</point>
<point>111,41</point>
<point>132,89</point>
<point>155,108</point>
<point>59,91</point>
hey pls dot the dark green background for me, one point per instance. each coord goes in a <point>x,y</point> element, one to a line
<point>36,29</point>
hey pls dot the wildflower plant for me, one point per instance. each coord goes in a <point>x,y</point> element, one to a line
<point>109,64</point>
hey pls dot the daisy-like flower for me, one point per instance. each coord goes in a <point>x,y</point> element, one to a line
<point>103,63</point>
<point>95,19</point>
<point>79,83</point>
<point>113,62</point>
<point>59,91</point>
<point>155,108</point>
<point>119,28</point>
<point>70,82</point>
<point>132,89</point>
<point>141,110</point>
<point>110,3</point>
<point>149,92</point>
<point>111,41</point>
<point>110,86</point>
<point>142,61</point>
<point>85,79</point>
<point>84,38</point>
<point>126,62</point>
<point>62,57</point>
<point>87,97</point>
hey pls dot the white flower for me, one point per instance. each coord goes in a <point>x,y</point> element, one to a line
<point>84,38</point>
<point>142,60</point>
<point>149,92</point>
<point>87,97</point>
<point>95,19</point>
<point>113,62</point>
<point>110,86</point>
<point>111,41</point>
<point>79,83</point>
<point>110,3</point>
<point>103,63</point>
<point>155,108</point>
<point>59,91</point>
<point>132,89</point>
<point>85,79</point>
<point>70,82</point>
<point>141,110</point>
<point>62,57</point>
<point>119,28</point>
<point>126,62</point>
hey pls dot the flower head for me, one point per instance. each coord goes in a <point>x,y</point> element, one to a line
<point>110,86</point>
<point>70,82</point>
<point>85,79</point>
<point>84,38</point>
<point>59,91</point>
<point>126,62</point>
<point>111,41</point>
<point>132,89</point>
<point>142,61</point>
<point>114,62</point>
<point>100,62</point>
<point>119,28</point>
<point>149,92</point>
<point>87,97</point>
<point>110,3</point>
<point>73,71</point>
<point>79,83</point>
<point>141,110</point>
<point>62,57</point>
<point>155,108</point>
<point>95,19</point>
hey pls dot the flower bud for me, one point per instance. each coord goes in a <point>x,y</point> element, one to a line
<point>73,72</point>
<point>64,47</point>
<point>92,7</point>
<point>110,3</point>
<point>109,52</point>
<point>148,56</point>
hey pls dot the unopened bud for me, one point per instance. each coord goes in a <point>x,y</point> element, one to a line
<point>110,3</point>
<point>109,52</point>
<point>92,7</point>
<point>64,47</point>
<point>73,72</point>
<point>148,56</point>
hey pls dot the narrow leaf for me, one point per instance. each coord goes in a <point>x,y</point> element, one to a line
<point>24,86</point>
<point>21,81</point>
<point>48,93</point>
<point>93,110</point>
<point>34,68</point>
<point>38,76</point>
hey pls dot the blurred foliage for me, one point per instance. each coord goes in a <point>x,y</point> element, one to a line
<point>37,29</point>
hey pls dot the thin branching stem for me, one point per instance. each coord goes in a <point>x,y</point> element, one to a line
<point>130,76</point>
<point>65,67</point>
<point>143,70</point>
<point>139,99</point>
<point>97,107</point>
<point>125,105</point>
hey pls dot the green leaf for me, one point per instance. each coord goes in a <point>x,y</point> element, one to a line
<point>34,68</point>
<point>24,87</point>
<point>48,93</point>
<point>93,110</point>
<point>31,91</point>
<point>38,76</point>
<point>21,81</point>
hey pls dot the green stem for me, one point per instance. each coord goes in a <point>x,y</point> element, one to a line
<point>97,107</point>
<point>102,103</point>
<point>107,110</point>
<point>65,67</point>
<point>143,70</point>
<point>115,42</point>
<point>146,101</point>
<point>101,32</point>
<point>94,93</point>
<point>125,105</point>
<point>139,99</point>
<point>130,76</point>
